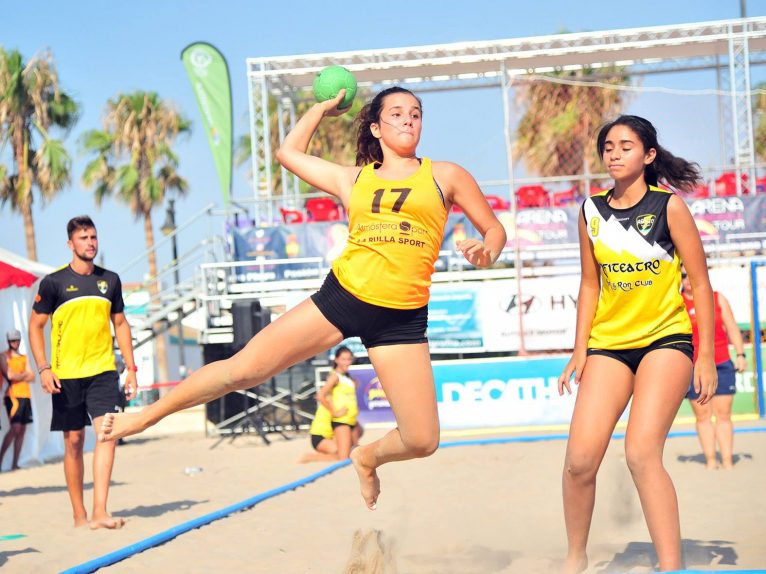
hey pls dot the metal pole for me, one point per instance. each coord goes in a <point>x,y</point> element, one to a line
<point>177,279</point>
<point>755,337</point>
<point>506,84</point>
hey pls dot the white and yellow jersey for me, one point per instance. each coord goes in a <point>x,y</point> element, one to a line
<point>640,299</point>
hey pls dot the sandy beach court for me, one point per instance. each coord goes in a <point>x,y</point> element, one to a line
<point>467,510</point>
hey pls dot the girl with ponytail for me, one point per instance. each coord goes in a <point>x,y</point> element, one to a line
<point>633,337</point>
<point>379,285</point>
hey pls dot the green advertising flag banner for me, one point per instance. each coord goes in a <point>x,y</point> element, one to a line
<point>209,75</point>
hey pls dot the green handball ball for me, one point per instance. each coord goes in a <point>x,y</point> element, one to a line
<point>330,81</point>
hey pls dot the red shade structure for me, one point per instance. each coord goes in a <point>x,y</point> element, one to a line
<point>11,276</point>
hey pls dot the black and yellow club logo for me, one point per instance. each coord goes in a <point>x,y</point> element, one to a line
<point>644,223</point>
<point>102,286</point>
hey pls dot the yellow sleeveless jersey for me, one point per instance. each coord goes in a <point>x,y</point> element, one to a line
<point>322,423</point>
<point>395,233</point>
<point>17,389</point>
<point>80,307</point>
<point>640,299</point>
<point>344,395</point>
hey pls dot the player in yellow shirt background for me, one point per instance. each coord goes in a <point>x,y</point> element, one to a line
<point>18,396</point>
<point>378,290</point>
<point>335,429</point>
<point>83,301</point>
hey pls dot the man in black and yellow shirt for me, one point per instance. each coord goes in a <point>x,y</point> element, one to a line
<point>81,299</point>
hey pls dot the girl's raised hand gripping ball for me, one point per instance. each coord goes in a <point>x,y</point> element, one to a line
<point>330,81</point>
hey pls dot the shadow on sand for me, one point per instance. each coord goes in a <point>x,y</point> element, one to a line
<point>696,553</point>
<point>700,458</point>
<point>4,556</point>
<point>32,490</point>
<point>157,509</point>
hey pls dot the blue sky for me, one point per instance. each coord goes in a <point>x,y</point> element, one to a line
<point>103,48</point>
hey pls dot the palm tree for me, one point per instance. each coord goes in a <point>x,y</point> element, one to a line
<point>759,116</point>
<point>135,162</point>
<point>31,103</point>
<point>562,112</point>
<point>333,139</point>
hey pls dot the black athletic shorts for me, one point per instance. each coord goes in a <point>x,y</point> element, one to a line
<point>94,396</point>
<point>375,325</point>
<point>632,357</point>
<point>316,439</point>
<point>19,410</point>
<point>336,425</point>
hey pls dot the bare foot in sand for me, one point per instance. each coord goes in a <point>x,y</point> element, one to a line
<point>369,483</point>
<point>711,465</point>
<point>108,522</point>
<point>80,522</point>
<point>317,457</point>
<point>118,425</point>
<point>574,564</point>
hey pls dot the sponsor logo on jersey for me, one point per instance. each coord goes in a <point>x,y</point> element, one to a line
<point>644,223</point>
<point>652,266</point>
<point>71,289</point>
<point>102,286</point>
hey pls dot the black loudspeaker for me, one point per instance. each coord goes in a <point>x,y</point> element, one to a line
<point>248,319</point>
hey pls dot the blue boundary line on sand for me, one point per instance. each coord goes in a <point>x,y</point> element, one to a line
<point>169,534</point>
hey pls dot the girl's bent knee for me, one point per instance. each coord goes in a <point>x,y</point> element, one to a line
<point>421,448</point>
<point>641,462</point>
<point>580,468</point>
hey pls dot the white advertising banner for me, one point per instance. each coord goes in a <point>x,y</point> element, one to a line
<point>549,311</point>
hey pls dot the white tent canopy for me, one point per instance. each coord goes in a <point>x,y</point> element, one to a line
<point>40,444</point>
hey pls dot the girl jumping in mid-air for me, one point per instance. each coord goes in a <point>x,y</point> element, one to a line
<point>378,288</point>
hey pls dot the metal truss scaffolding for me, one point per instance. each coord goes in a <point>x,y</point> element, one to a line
<point>277,84</point>
<point>736,44</point>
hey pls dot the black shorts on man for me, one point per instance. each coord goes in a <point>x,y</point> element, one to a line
<point>84,399</point>
<point>375,325</point>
